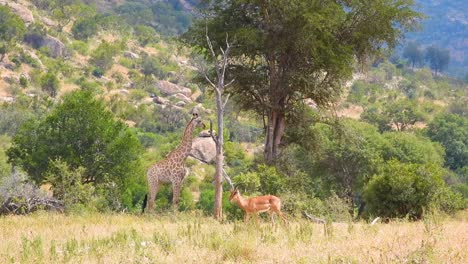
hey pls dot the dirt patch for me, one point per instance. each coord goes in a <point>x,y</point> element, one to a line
<point>353,112</point>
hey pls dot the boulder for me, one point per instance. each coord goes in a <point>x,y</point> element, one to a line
<point>22,11</point>
<point>168,88</point>
<point>56,47</point>
<point>181,103</point>
<point>131,55</point>
<point>160,100</point>
<point>204,149</point>
<point>182,97</point>
<point>206,133</point>
<point>48,22</point>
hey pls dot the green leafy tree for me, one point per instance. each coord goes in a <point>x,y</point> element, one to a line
<point>413,53</point>
<point>351,156</point>
<point>12,30</point>
<point>50,83</point>
<point>82,133</point>
<point>290,50</point>
<point>437,58</point>
<point>103,56</point>
<point>373,115</point>
<point>67,185</point>
<point>64,11</point>
<point>150,66</point>
<point>146,35</point>
<point>452,132</point>
<point>84,28</point>
<point>405,189</point>
<point>403,114</point>
<point>410,148</point>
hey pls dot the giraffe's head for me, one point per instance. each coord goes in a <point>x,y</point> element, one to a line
<point>197,122</point>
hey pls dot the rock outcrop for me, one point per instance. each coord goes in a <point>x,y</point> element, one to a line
<point>22,11</point>
<point>204,149</point>
<point>168,88</point>
<point>56,47</point>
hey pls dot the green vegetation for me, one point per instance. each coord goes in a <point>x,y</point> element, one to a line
<point>79,132</point>
<point>284,49</point>
<point>76,111</point>
<point>12,30</point>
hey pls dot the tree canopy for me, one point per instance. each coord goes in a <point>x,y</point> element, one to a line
<point>437,58</point>
<point>452,132</point>
<point>12,29</point>
<point>290,50</point>
<point>82,133</point>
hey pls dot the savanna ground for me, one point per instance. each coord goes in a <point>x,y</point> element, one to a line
<point>191,238</point>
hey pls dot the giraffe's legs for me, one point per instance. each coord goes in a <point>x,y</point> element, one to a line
<point>176,186</point>
<point>153,191</point>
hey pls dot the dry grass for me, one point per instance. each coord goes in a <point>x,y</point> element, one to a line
<point>185,238</point>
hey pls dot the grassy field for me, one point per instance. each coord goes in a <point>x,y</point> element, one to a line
<point>188,238</point>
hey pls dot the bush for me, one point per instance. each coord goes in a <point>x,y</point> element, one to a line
<point>266,180</point>
<point>50,83</point>
<point>97,72</point>
<point>85,28</point>
<point>206,204</point>
<point>67,184</point>
<point>19,196</point>
<point>407,190</point>
<point>103,56</point>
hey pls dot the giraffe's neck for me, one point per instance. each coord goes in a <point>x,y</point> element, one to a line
<point>186,145</point>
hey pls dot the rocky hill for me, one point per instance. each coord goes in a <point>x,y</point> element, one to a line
<point>446,25</point>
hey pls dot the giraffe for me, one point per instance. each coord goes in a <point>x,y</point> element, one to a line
<point>172,169</point>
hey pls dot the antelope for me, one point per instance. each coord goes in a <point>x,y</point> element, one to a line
<point>259,204</point>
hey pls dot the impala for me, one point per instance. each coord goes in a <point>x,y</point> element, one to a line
<point>259,204</point>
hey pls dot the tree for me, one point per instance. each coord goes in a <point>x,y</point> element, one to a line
<point>452,132</point>
<point>220,62</point>
<point>150,66</point>
<point>84,28</point>
<point>403,114</point>
<point>407,189</point>
<point>352,154</point>
<point>291,50</point>
<point>410,148</point>
<point>12,30</point>
<point>103,56</point>
<point>65,10</point>
<point>81,133</point>
<point>413,53</point>
<point>50,83</point>
<point>437,58</point>
<point>146,35</point>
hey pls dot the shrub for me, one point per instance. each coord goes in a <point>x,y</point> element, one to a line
<point>50,83</point>
<point>407,190</point>
<point>103,56</point>
<point>85,28</point>
<point>97,72</point>
<point>67,184</point>
<point>23,81</point>
<point>19,196</point>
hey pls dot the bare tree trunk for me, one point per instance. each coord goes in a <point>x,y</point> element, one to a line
<point>220,66</point>
<point>218,208</point>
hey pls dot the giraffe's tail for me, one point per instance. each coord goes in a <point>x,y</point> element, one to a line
<point>145,200</point>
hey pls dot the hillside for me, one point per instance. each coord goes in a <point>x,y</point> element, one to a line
<point>446,25</point>
<point>121,58</point>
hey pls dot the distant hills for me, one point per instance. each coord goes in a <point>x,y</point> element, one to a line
<point>446,26</point>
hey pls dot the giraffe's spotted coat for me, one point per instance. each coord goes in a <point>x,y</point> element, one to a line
<point>172,169</point>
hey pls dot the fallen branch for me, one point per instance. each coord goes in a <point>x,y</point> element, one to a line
<point>375,220</point>
<point>313,218</point>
